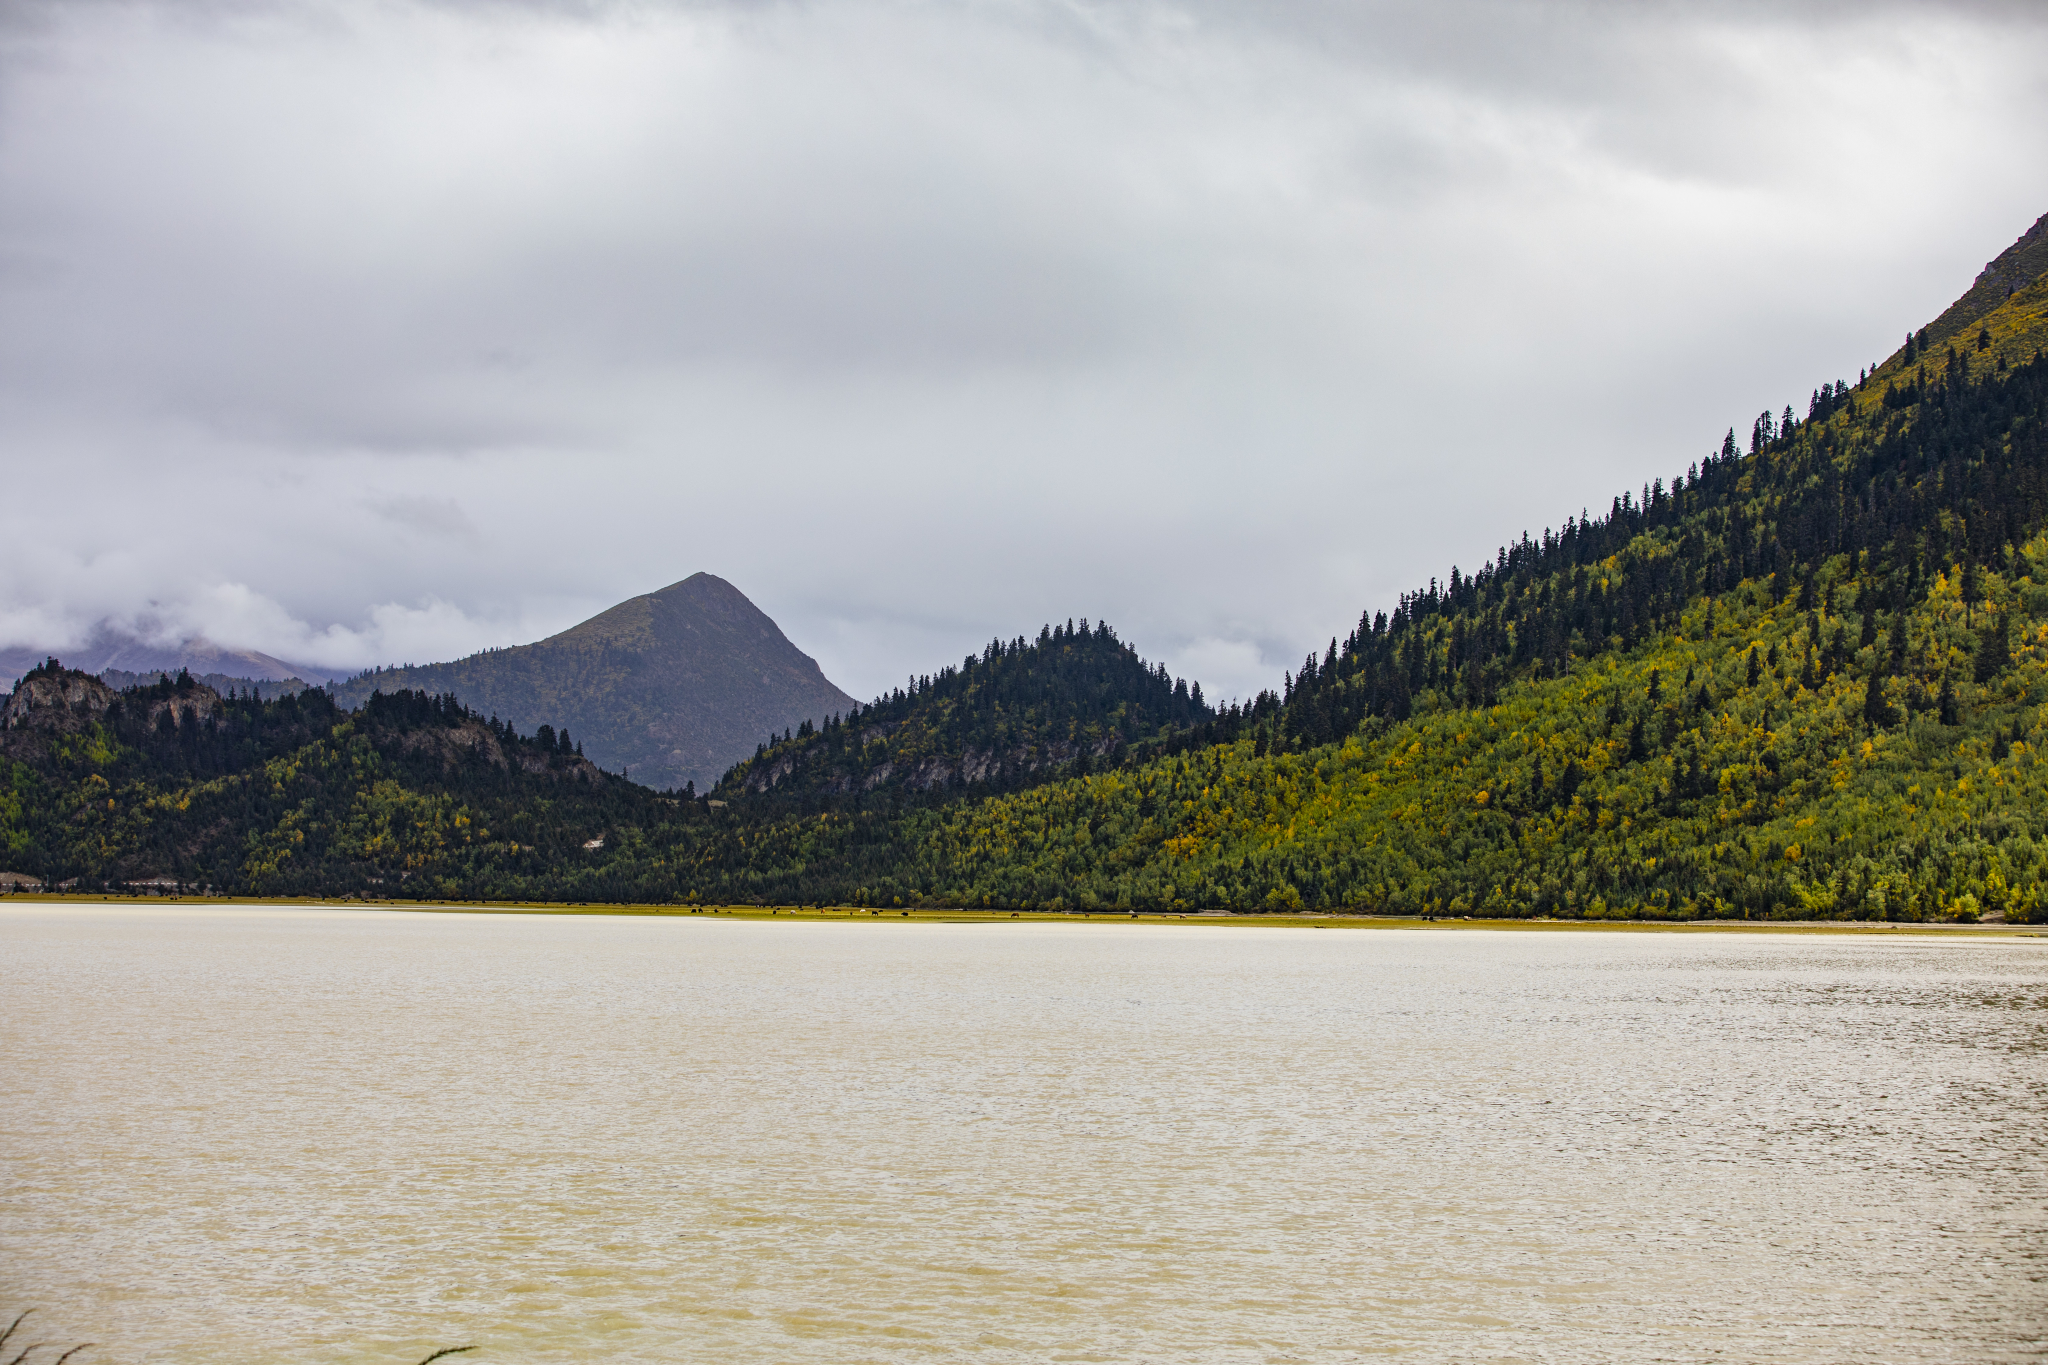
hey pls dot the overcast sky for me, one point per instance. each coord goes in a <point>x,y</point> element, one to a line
<point>382,331</point>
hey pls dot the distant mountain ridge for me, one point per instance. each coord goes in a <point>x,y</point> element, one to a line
<point>227,684</point>
<point>673,686</point>
<point>110,647</point>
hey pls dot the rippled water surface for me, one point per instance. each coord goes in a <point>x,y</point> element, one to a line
<point>296,1136</point>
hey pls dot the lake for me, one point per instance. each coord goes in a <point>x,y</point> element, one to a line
<point>302,1135</point>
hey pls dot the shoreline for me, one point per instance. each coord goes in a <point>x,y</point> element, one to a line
<point>877,915</point>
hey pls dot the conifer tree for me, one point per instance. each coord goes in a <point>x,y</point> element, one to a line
<point>1994,651</point>
<point>1876,711</point>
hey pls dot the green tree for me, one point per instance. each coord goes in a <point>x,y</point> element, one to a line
<point>1994,650</point>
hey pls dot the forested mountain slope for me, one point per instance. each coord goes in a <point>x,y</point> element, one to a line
<point>673,687</point>
<point>287,796</point>
<point>1799,680</point>
<point>1015,714</point>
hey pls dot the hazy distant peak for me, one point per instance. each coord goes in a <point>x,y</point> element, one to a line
<point>110,647</point>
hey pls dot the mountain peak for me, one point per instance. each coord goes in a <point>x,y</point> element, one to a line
<point>674,685</point>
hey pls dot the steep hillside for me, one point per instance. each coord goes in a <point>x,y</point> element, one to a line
<point>2012,270</point>
<point>1015,714</point>
<point>672,687</point>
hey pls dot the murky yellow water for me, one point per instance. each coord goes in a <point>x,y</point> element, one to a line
<point>296,1136</point>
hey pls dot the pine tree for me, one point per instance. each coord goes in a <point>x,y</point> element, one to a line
<point>1994,651</point>
<point>1945,703</point>
<point>1876,711</point>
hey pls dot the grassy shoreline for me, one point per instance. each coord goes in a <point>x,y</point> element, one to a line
<point>874,915</point>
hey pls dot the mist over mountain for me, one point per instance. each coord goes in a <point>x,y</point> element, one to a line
<point>673,686</point>
<point>110,647</point>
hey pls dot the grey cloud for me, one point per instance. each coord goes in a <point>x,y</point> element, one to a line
<point>432,516</point>
<point>925,324</point>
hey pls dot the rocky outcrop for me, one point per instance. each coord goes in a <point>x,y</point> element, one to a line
<point>56,699</point>
<point>472,741</point>
<point>192,703</point>
<point>53,700</point>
